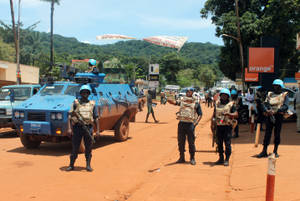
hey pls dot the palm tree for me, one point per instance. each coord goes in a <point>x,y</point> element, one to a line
<point>51,31</point>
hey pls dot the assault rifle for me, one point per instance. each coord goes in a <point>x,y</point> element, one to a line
<point>268,108</point>
<point>84,126</point>
<point>214,131</point>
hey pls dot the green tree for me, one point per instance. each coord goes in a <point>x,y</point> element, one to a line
<point>7,51</point>
<point>258,18</point>
<point>170,65</point>
<point>130,71</point>
<point>207,75</point>
<point>185,77</point>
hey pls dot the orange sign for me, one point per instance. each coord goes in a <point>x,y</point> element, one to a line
<point>297,76</point>
<point>261,60</point>
<point>250,77</point>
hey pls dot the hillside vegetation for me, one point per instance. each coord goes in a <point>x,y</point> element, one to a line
<point>133,55</point>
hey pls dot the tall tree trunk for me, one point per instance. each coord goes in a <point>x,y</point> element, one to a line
<point>18,45</point>
<point>240,43</point>
<point>51,36</point>
<point>14,30</point>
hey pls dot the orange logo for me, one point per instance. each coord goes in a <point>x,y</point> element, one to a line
<point>261,60</point>
<point>297,76</point>
<point>250,77</point>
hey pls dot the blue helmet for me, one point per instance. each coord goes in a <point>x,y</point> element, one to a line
<point>190,89</point>
<point>92,62</point>
<point>278,82</point>
<point>225,91</point>
<point>233,92</point>
<point>85,87</point>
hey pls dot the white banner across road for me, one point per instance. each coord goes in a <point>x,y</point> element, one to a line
<point>167,41</point>
<point>113,37</point>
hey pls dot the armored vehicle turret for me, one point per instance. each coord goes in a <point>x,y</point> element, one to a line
<point>44,117</point>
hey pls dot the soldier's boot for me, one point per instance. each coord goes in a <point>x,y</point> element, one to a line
<point>192,160</point>
<point>181,158</point>
<point>220,161</point>
<point>226,162</point>
<point>72,161</point>
<point>235,135</point>
<point>88,164</point>
<point>146,121</point>
<point>263,153</point>
<point>275,150</point>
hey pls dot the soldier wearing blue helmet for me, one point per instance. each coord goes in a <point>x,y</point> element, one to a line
<point>189,115</point>
<point>92,66</point>
<point>222,121</point>
<point>83,115</point>
<point>276,104</point>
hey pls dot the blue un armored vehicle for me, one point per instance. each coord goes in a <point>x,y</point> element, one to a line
<point>20,93</point>
<point>44,117</point>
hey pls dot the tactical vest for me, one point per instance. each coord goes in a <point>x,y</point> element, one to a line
<point>85,110</point>
<point>187,111</point>
<point>276,100</point>
<point>221,109</point>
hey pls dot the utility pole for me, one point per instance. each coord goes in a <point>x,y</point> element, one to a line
<point>18,46</point>
<point>15,37</point>
<point>51,37</point>
<point>240,43</point>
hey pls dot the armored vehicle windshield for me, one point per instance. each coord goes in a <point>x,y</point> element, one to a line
<point>57,89</point>
<point>52,90</point>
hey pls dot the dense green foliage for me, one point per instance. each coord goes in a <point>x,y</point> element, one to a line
<point>134,56</point>
<point>275,18</point>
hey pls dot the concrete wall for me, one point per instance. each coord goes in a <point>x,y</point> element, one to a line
<point>29,74</point>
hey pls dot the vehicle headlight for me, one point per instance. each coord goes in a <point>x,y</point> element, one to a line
<point>17,114</point>
<point>8,111</point>
<point>59,116</point>
<point>52,116</point>
<point>22,115</point>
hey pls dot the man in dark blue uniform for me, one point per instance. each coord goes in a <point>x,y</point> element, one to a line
<point>224,114</point>
<point>276,104</point>
<point>189,115</point>
<point>83,115</point>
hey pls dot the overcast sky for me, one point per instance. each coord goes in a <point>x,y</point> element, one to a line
<point>137,18</point>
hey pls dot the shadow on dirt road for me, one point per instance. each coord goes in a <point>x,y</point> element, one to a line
<point>61,149</point>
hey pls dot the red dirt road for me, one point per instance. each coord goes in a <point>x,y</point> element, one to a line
<point>143,167</point>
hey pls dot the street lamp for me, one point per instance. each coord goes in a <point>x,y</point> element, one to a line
<point>241,57</point>
<point>239,40</point>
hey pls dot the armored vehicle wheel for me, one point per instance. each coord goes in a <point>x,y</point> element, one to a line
<point>122,129</point>
<point>81,147</point>
<point>28,142</point>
